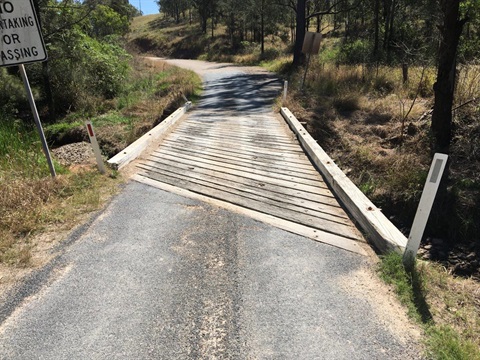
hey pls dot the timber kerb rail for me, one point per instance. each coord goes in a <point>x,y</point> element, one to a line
<point>379,230</point>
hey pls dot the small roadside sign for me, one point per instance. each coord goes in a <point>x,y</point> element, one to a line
<point>311,43</point>
<point>21,41</point>
<point>95,147</point>
<point>311,46</point>
<point>424,208</point>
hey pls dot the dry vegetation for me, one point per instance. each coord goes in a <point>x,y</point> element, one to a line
<point>362,117</point>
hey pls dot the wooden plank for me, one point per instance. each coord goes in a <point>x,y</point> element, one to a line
<point>381,231</point>
<point>271,129</point>
<point>333,214</point>
<point>306,167</point>
<point>260,175</point>
<point>308,232</point>
<point>322,197</point>
<point>292,159</point>
<point>283,213</point>
<point>132,151</point>
<point>232,122</point>
<point>247,139</point>
<point>226,145</point>
<point>327,204</point>
<point>249,135</point>
<point>232,140</point>
<point>232,164</point>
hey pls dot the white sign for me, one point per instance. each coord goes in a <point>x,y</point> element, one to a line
<point>20,37</point>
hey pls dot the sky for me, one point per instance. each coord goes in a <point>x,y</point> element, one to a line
<point>147,6</point>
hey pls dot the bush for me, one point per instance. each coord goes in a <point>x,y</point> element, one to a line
<point>356,52</point>
<point>12,92</point>
<point>84,69</point>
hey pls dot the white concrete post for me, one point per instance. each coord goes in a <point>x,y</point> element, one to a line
<point>424,208</point>
<point>95,147</point>
<point>285,90</point>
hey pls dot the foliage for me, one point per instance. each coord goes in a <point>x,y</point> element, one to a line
<point>356,52</point>
<point>12,93</point>
<point>86,58</point>
<point>105,21</point>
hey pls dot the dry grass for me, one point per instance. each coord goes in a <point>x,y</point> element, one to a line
<point>371,124</point>
<point>28,206</point>
<point>454,302</point>
<point>468,83</point>
<point>356,115</point>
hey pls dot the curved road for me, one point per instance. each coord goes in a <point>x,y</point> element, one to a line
<point>160,276</point>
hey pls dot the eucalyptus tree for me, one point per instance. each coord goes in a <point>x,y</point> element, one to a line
<point>450,30</point>
<point>174,8</point>
<point>84,61</point>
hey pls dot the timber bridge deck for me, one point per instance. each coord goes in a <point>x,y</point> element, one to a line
<point>246,156</point>
<point>234,151</point>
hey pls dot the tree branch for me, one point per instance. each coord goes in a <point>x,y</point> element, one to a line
<point>330,10</point>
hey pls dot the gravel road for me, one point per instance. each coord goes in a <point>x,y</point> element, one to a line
<point>160,276</point>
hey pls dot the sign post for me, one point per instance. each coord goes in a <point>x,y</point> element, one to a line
<point>21,43</point>
<point>424,208</point>
<point>311,45</point>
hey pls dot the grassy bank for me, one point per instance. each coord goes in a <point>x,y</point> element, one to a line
<point>377,128</point>
<point>448,309</point>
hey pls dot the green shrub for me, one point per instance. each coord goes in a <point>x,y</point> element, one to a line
<point>356,52</point>
<point>12,92</point>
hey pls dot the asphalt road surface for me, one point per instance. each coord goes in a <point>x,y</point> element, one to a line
<point>160,276</point>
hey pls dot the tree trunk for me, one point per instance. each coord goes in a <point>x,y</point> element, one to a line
<point>405,72</point>
<point>298,56</point>
<point>262,30</point>
<point>445,85</point>
<point>377,29</point>
<point>47,86</point>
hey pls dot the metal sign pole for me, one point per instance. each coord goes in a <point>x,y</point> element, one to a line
<point>306,70</point>
<point>31,100</point>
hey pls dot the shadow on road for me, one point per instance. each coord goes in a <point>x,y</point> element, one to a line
<point>245,93</point>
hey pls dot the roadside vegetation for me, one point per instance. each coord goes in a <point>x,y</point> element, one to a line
<point>447,308</point>
<point>89,76</point>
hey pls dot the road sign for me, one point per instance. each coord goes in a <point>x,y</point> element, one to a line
<point>311,46</point>
<point>21,41</point>
<point>311,43</point>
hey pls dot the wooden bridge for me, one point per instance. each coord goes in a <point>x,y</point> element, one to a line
<point>246,157</point>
